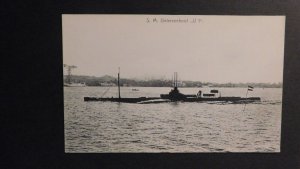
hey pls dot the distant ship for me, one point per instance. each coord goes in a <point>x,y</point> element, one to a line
<point>74,84</point>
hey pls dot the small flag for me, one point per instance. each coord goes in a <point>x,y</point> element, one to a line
<point>250,88</point>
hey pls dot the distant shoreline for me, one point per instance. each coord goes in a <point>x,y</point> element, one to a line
<point>112,81</point>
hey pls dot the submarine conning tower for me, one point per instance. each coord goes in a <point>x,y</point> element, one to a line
<point>174,94</point>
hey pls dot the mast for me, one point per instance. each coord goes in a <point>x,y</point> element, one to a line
<point>175,74</point>
<point>176,80</point>
<point>119,84</point>
<point>173,80</point>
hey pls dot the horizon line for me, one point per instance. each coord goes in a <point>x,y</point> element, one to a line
<point>157,78</point>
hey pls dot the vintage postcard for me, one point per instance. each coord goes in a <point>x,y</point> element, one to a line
<point>172,83</point>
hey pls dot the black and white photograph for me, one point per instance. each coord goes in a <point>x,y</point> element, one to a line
<point>172,83</point>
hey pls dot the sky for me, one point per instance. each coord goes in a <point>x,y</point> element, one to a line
<point>207,48</point>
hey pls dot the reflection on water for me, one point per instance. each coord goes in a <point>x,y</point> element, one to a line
<point>171,127</point>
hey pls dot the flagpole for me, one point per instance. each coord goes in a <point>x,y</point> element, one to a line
<point>119,93</point>
<point>246,99</point>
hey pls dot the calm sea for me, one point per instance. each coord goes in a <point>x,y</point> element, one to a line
<point>171,127</point>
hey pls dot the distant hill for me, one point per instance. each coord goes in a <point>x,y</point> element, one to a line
<point>107,78</point>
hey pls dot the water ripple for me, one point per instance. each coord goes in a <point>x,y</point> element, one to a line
<point>171,127</point>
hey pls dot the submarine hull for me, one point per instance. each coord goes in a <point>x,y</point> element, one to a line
<point>187,99</point>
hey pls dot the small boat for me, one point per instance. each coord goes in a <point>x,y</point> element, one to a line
<point>135,90</point>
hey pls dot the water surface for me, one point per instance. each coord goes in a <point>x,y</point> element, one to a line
<point>171,127</point>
